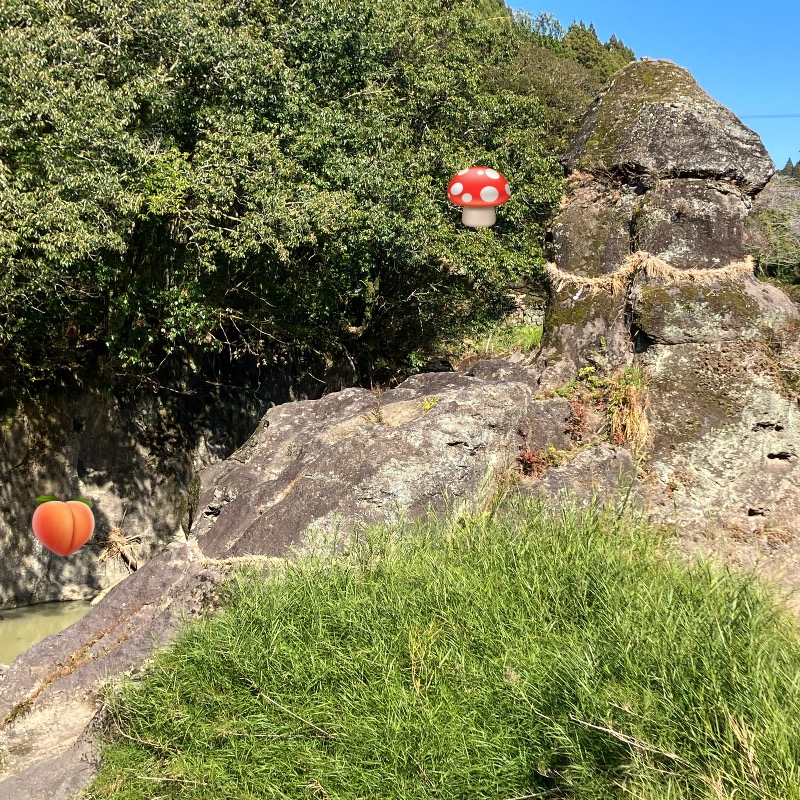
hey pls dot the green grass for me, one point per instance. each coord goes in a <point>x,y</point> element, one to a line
<point>519,655</point>
<point>510,339</point>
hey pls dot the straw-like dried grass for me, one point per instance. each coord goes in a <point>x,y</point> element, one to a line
<point>653,267</point>
<point>118,545</point>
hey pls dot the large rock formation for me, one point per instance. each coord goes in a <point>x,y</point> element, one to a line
<point>659,167</point>
<point>661,181</point>
<point>311,472</point>
<point>651,270</point>
<point>51,694</point>
<point>358,456</point>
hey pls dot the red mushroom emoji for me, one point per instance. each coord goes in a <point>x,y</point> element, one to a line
<point>479,190</point>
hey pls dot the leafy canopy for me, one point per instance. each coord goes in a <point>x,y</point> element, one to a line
<point>249,176</point>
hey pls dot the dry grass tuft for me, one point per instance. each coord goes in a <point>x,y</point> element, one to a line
<point>627,406</point>
<point>118,545</point>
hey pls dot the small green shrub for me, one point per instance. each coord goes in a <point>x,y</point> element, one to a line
<point>510,339</point>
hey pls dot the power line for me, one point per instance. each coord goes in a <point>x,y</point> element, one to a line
<point>767,116</point>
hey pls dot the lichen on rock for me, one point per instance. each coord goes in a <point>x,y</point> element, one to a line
<point>657,166</point>
<point>653,118</point>
<point>658,158</point>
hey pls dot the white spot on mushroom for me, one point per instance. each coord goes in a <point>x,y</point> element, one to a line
<point>480,172</point>
<point>466,197</point>
<point>493,174</point>
<point>489,194</point>
<point>464,171</point>
<point>508,189</point>
<point>456,189</point>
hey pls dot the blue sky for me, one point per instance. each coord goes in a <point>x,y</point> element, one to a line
<point>745,55</point>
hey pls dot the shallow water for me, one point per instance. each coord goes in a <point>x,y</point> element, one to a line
<point>21,628</point>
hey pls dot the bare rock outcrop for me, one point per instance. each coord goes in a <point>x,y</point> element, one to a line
<point>653,118</point>
<point>310,474</point>
<point>87,446</point>
<point>50,695</point>
<point>133,453</point>
<point>657,167</point>
<point>357,456</point>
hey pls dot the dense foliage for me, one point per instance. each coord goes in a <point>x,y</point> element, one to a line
<point>250,175</point>
<point>563,68</point>
<point>775,227</point>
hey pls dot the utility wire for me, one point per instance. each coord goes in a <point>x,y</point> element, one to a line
<point>767,116</point>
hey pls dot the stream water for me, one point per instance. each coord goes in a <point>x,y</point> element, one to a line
<point>21,628</point>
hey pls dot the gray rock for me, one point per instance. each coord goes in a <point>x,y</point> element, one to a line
<point>354,457</point>
<point>592,233</point>
<point>584,330</point>
<point>65,774</point>
<point>725,441</point>
<point>666,313</point>
<point>657,166</point>
<point>653,118</point>
<point>133,454</point>
<point>598,474</point>
<point>84,446</point>
<point>691,223</point>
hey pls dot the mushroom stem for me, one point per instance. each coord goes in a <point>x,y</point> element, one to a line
<point>481,217</point>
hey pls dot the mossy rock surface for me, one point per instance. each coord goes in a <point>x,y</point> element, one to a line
<point>654,118</point>
<point>678,314</point>
<point>691,223</point>
<point>584,329</point>
<point>695,389</point>
<point>724,445</point>
<point>592,233</point>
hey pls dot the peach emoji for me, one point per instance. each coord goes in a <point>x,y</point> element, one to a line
<point>62,527</point>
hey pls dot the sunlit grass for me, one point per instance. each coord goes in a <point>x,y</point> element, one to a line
<point>520,655</point>
<point>509,339</point>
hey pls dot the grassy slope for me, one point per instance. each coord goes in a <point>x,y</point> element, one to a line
<point>520,655</point>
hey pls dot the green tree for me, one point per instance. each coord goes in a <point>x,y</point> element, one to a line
<point>603,60</point>
<point>564,70</point>
<point>619,54</point>
<point>774,230</point>
<point>545,29</point>
<point>584,46</point>
<point>256,176</point>
<point>563,86</point>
